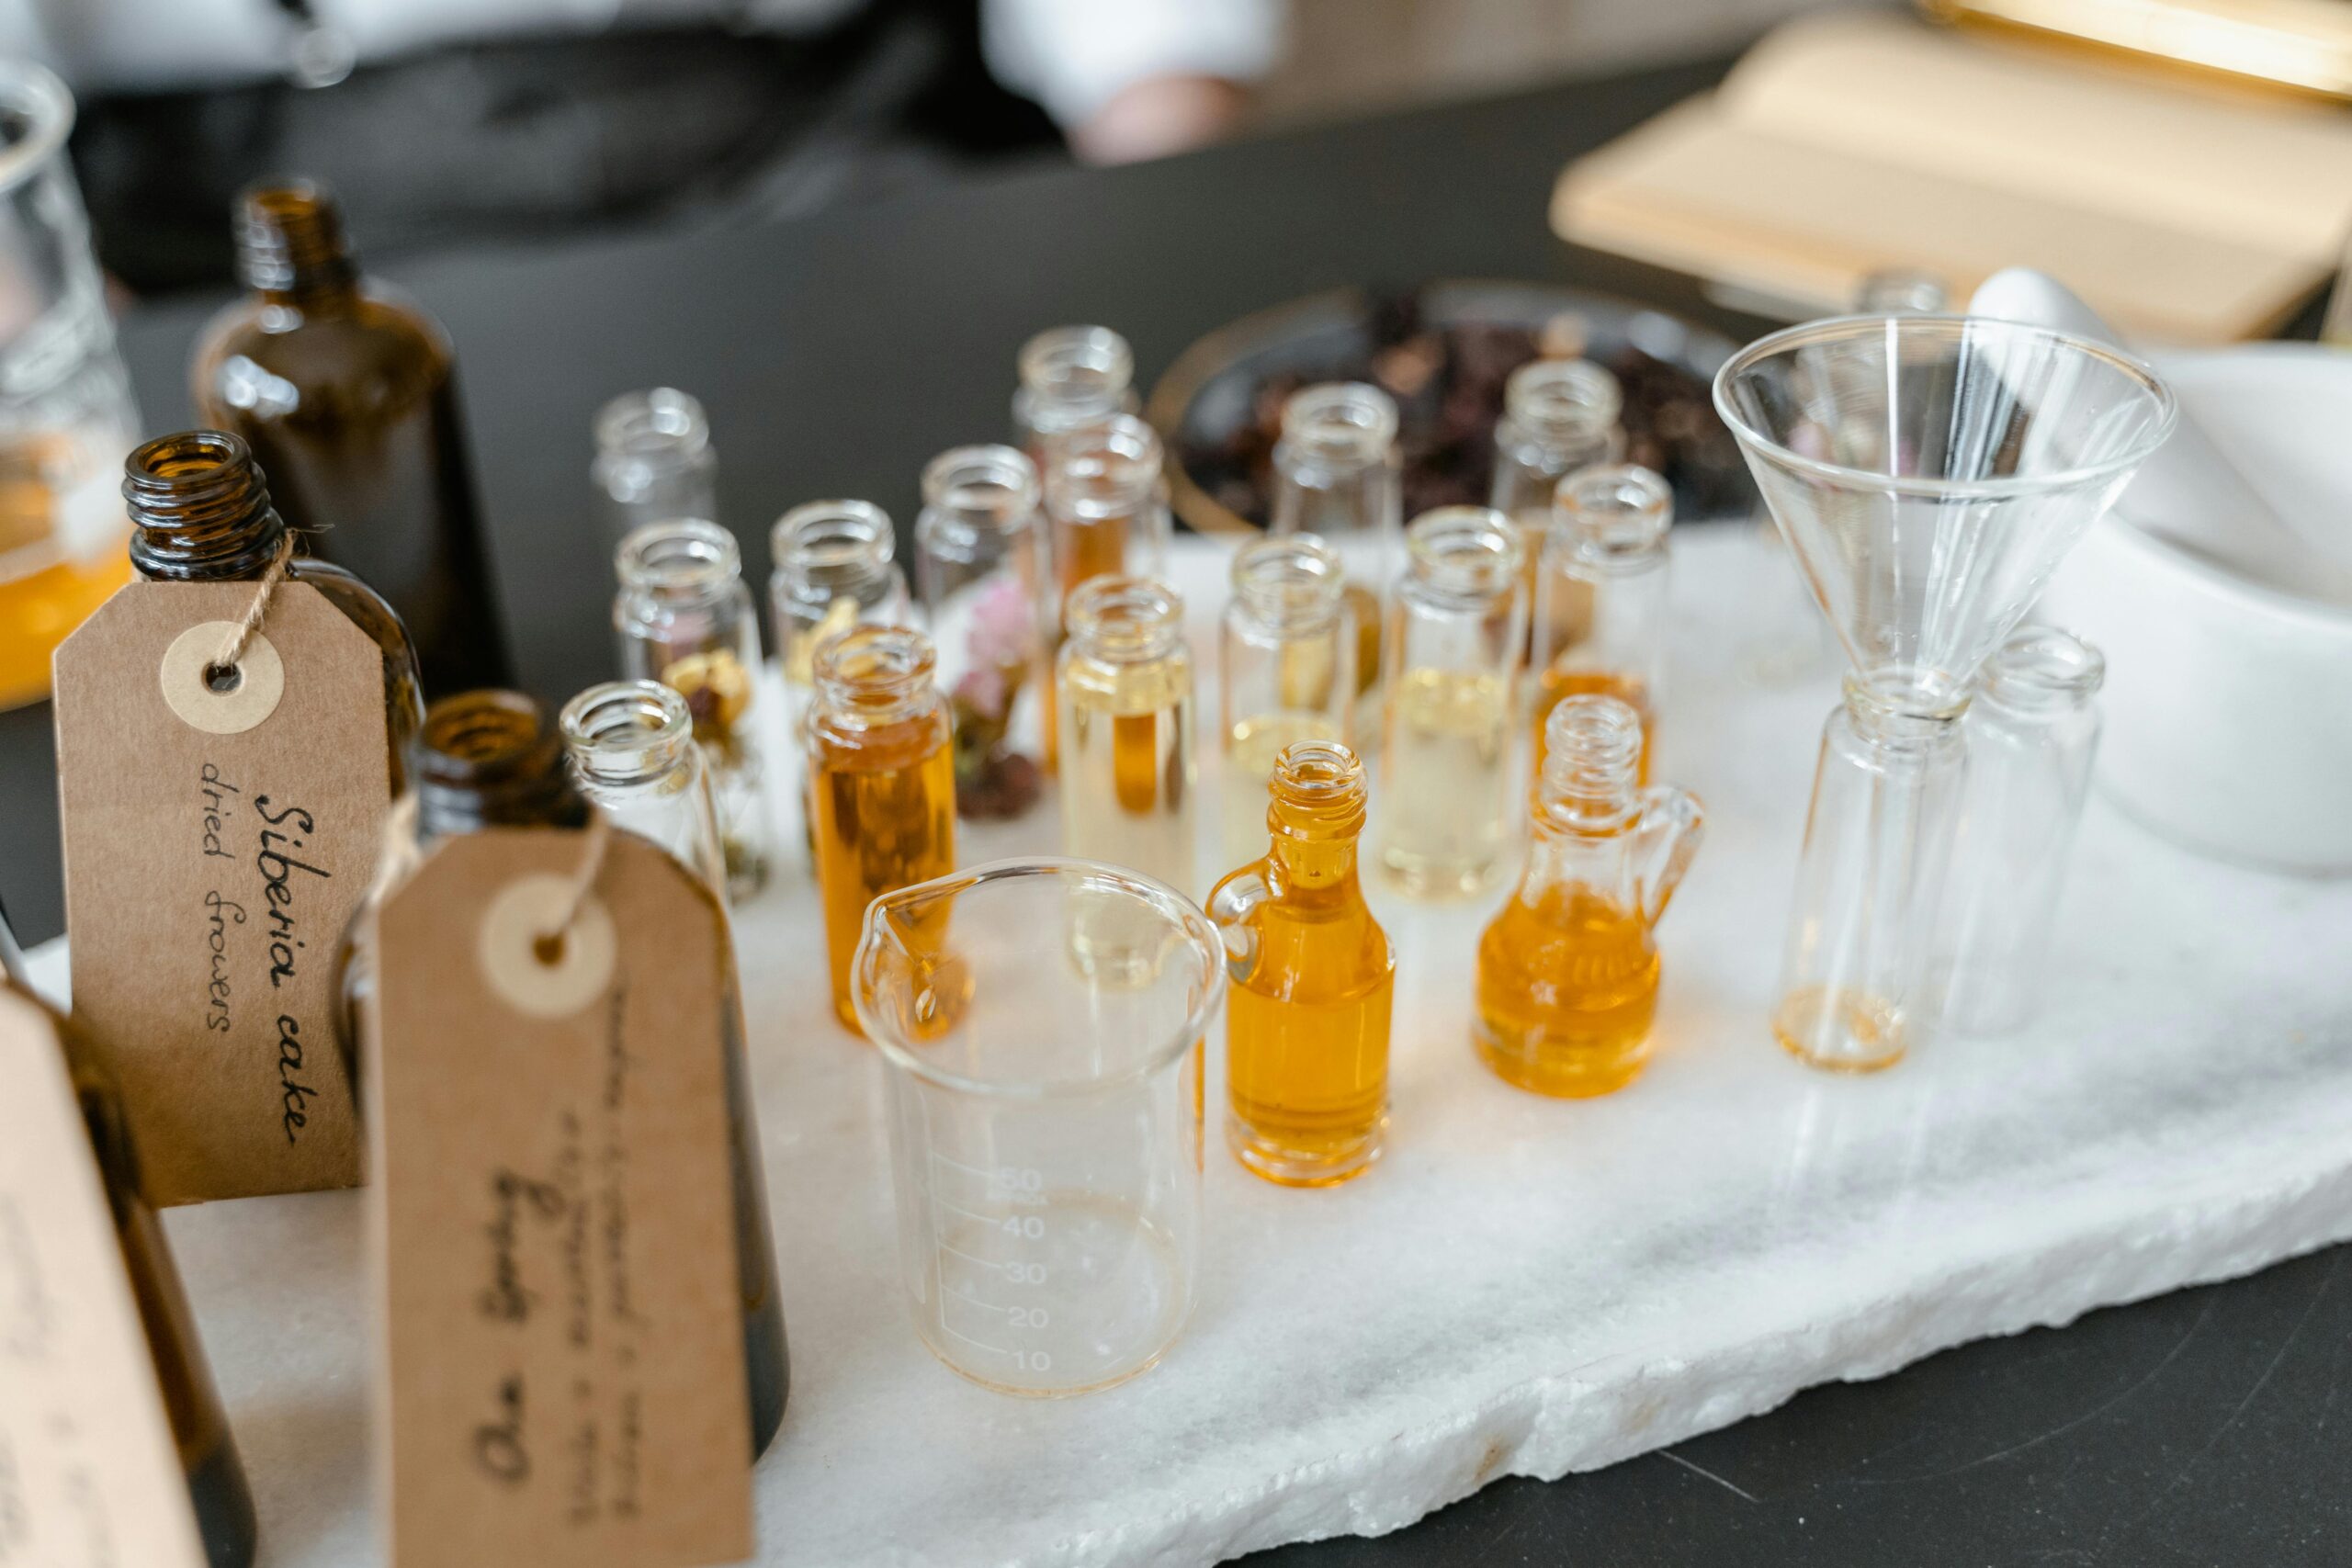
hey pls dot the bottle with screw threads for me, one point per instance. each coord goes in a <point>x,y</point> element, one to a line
<point>881,783</point>
<point>346,393</point>
<point>1456,627</point>
<point>1568,972</point>
<point>654,460</point>
<point>1338,476</point>
<point>201,512</point>
<point>1600,596</point>
<point>1070,377</point>
<point>1313,978</point>
<point>685,618</point>
<point>631,751</point>
<point>1128,770</point>
<point>1560,416</point>
<point>1286,652</point>
<point>222,1501</point>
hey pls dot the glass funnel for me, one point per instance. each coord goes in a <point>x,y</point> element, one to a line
<point>1928,473</point>
<point>1044,1115</point>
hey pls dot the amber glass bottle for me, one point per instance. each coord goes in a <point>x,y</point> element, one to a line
<point>201,512</point>
<point>207,1452</point>
<point>345,391</point>
<point>1313,979</point>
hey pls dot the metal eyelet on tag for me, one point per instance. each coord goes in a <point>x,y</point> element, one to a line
<point>231,709</point>
<point>536,975</point>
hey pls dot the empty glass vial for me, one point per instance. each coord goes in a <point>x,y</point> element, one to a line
<point>881,783</point>
<point>1286,653</point>
<point>1312,980</point>
<point>2030,735</point>
<point>1858,985</point>
<point>631,751</point>
<point>1568,972</point>
<point>1600,595</point>
<point>1338,476</point>
<point>685,618</point>
<point>1560,416</point>
<point>1455,629</point>
<point>654,460</point>
<point>1128,770</point>
<point>835,568</point>
<point>981,568</point>
<point>200,512</point>
<point>1070,377</point>
<point>346,393</point>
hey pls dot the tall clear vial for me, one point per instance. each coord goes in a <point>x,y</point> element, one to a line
<point>1560,417</point>
<point>1070,377</point>
<point>1600,596</point>
<point>654,460</point>
<point>1338,476</point>
<point>2031,734</point>
<point>1106,498</point>
<point>685,618</point>
<point>1455,631</point>
<point>981,567</point>
<point>1127,768</point>
<point>1286,652</point>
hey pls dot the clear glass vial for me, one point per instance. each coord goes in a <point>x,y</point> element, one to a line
<point>1559,416</point>
<point>654,460</point>
<point>1859,986</point>
<point>981,566</point>
<point>630,749</point>
<point>1314,980</point>
<point>1106,497</point>
<point>835,568</point>
<point>685,618</point>
<point>1128,771</point>
<point>1455,629</point>
<point>2031,734</point>
<point>1568,971</point>
<point>881,783</point>
<point>1338,476</point>
<point>1600,595</point>
<point>1286,653</point>
<point>1070,377</point>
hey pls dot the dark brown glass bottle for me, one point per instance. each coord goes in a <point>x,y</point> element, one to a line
<point>200,512</point>
<point>207,1452</point>
<point>346,393</point>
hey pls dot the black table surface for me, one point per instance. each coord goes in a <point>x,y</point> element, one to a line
<point>837,353</point>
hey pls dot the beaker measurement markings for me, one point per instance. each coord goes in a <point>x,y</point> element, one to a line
<point>1010,1184</point>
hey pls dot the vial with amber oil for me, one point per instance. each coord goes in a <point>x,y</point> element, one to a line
<point>881,783</point>
<point>1313,977</point>
<point>1568,972</point>
<point>1600,595</point>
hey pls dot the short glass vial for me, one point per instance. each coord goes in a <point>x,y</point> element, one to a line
<point>685,618</point>
<point>1070,377</point>
<point>654,460</point>
<point>1338,476</point>
<point>1457,627</point>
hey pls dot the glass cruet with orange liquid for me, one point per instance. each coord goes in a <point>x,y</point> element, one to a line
<point>1313,977</point>
<point>1600,595</point>
<point>1568,971</point>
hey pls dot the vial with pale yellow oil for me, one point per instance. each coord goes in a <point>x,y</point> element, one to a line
<point>1286,653</point>
<point>1568,971</point>
<point>1312,982</point>
<point>1600,596</point>
<point>1447,753</point>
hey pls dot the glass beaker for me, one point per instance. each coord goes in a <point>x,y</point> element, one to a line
<point>1044,1118</point>
<point>66,417</point>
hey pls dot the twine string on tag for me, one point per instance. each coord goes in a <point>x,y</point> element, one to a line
<point>550,946</point>
<point>233,650</point>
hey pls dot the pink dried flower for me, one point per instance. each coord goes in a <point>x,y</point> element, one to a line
<point>1004,627</point>
<point>982,690</point>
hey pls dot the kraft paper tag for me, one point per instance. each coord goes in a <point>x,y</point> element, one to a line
<point>553,1216</point>
<point>216,843</point>
<point>89,1475</point>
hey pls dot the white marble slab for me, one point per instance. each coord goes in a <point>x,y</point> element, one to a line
<point>1523,1287</point>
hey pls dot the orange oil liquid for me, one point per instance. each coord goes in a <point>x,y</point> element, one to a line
<point>1567,988</point>
<point>883,819</point>
<point>37,612</point>
<point>1555,683</point>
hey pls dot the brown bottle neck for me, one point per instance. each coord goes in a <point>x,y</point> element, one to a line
<point>491,759</point>
<point>290,247</point>
<point>199,510</point>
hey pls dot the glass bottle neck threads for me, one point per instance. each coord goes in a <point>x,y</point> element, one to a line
<point>870,676</point>
<point>1124,620</point>
<point>1593,754</point>
<point>1568,407</point>
<point>289,244</point>
<point>829,550</point>
<point>491,758</point>
<point>681,564</point>
<point>200,509</point>
<point>1316,793</point>
<point>1333,433</point>
<point>1108,469</point>
<point>1461,556</point>
<point>643,437</point>
<point>1290,584</point>
<point>629,735</point>
<point>1071,377</point>
<point>972,492</point>
<point>2043,673</point>
<point>1615,518</point>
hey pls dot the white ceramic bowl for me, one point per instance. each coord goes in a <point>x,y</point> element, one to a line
<point>2229,703</point>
